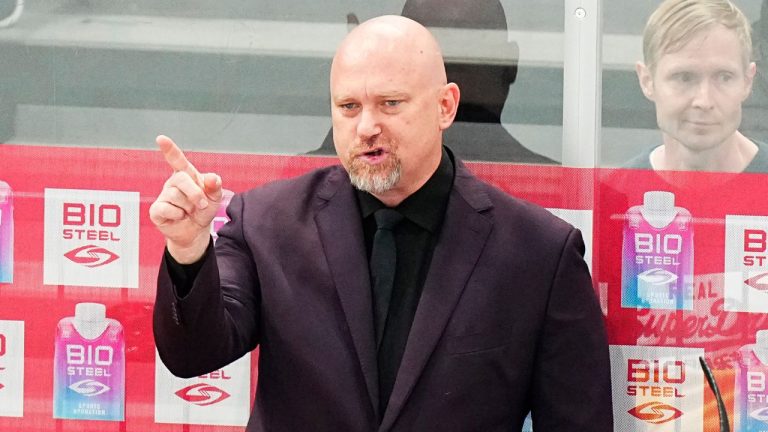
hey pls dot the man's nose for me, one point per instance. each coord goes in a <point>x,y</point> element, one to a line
<point>368,126</point>
<point>703,98</point>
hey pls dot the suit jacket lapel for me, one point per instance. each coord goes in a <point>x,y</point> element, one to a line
<point>464,234</point>
<point>341,234</point>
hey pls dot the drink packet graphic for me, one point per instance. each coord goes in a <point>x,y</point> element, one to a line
<point>750,393</point>
<point>89,366</point>
<point>657,256</point>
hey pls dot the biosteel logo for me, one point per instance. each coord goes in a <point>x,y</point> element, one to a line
<point>202,394</point>
<point>658,249</point>
<point>658,276</point>
<point>220,398</point>
<point>755,248</point>
<point>91,256</point>
<point>655,412</point>
<point>656,388</point>
<point>91,238</point>
<point>760,414</point>
<point>89,387</point>
<point>93,221</point>
<point>658,378</point>
<point>746,263</point>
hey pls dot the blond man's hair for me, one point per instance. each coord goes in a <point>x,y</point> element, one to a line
<point>675,22</point>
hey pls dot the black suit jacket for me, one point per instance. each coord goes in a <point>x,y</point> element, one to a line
<point>507,322</point>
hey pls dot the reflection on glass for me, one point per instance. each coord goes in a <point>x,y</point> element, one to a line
<point>477,133</point>
<point>697,71</point>
<point>756,107</point>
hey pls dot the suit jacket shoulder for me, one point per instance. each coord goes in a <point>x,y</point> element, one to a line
<point>511,215</point>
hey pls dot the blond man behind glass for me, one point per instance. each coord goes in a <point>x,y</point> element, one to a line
<point>698,70</point>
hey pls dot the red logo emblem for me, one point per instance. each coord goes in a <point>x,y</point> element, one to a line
<point>758,282</point>
<point>655,412</point>
<point>1,386</point>
<point>202,394</point>
<point>91,256</point>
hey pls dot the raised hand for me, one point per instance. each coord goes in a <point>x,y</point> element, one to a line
<point>186,206</point>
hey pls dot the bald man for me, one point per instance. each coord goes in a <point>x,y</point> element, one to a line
<point>490,312</point>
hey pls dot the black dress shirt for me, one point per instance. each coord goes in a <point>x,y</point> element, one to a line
<point>415,237</point>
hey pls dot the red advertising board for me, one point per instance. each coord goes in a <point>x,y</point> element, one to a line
<point>80,233</point>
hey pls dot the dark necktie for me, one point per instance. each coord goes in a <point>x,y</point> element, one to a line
<point>383,264</point>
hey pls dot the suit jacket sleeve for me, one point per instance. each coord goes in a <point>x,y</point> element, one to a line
<point>217,321</point>
<point>571,382</point>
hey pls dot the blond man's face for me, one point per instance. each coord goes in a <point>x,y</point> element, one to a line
<point>698,90</point>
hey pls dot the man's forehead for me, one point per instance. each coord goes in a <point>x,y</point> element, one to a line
<point>730,59</point>
<point>707,40</point>
<point>364,51</point>
<point>373,83</point>
<point>346,91</point>
<point>380,71</point>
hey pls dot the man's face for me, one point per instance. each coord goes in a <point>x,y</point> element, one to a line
<point>386,120</point>
<point>699,89</point>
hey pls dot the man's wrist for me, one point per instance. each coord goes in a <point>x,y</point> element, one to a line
<point>189,254</point>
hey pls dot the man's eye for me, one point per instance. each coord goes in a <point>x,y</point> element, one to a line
<point>348,106</point>
<point>725,77</point>
<point>392,103</point>
<point>683,77</point>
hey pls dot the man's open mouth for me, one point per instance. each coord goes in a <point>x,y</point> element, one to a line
<point>374,152</point>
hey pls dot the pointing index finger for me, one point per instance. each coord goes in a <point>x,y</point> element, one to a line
<point>175,157</point>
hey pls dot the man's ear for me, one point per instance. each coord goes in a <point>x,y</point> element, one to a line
<point>749,78</point>
<point>449,104</point>
<point>645,78</point>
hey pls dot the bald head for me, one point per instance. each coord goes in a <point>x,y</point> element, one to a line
<point>399,41</point>
<point>390,103</point>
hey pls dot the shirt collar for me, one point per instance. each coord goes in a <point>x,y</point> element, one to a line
<point>426,206</point>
